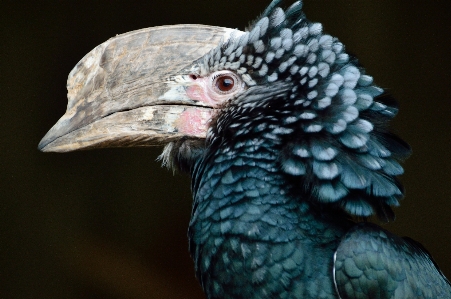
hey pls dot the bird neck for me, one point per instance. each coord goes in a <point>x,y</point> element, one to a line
<point>246,218</point>
<point>243,192</point>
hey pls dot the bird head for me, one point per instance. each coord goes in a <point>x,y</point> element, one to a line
<point>282,84</point>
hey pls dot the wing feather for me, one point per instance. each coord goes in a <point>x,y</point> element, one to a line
<point>370,262</point>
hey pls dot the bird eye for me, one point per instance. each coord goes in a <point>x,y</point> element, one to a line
<point>225,82</point>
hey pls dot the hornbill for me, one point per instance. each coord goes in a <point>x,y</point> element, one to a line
<point>286,140</point>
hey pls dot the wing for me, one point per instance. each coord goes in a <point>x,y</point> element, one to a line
<point>373,263</point>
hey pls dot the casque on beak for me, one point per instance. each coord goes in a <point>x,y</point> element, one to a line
<point>131,91</point>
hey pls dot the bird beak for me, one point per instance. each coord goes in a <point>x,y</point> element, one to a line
<point>131,90</point>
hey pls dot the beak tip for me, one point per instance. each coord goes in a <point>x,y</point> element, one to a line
<point>43,145</point>
<point>61,128</point>
<point>47,142</point>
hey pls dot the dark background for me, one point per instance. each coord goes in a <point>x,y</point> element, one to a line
<point>112,223</point>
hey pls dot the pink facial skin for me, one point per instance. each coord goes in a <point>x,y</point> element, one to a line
<point>199,92</point>
<point>194,122</point>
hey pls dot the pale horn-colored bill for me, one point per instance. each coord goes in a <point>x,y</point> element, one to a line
<point>118,93</point>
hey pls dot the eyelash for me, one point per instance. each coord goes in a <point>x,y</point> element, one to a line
<point>215,77</point>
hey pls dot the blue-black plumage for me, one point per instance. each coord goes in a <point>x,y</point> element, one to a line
<point>286,140</point>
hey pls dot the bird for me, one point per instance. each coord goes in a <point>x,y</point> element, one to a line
<point>287,143</point>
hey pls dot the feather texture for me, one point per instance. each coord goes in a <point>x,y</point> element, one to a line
<point>330,102</point>
<point>287,162</point>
